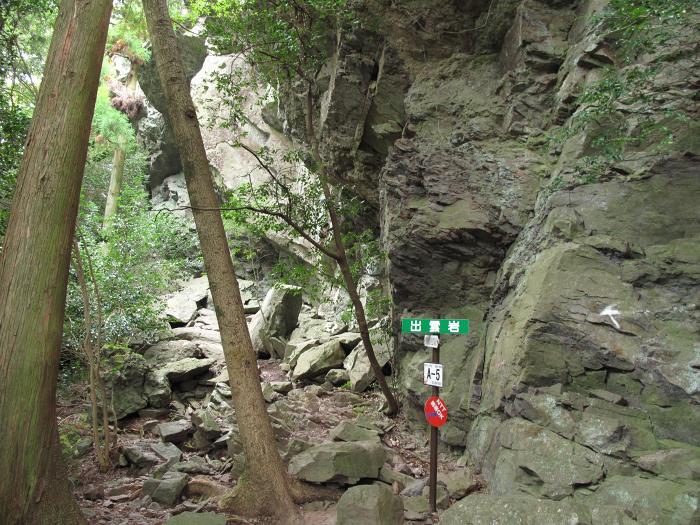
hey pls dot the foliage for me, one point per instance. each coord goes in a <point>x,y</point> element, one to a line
<point>621,111</point>
<point>25,31</point>
<point>110,126</point>
<point>294,205</point>
<point>14,122</point>
<point>642,26</point>
<point>134,261</point>
<point>128,33</point>
<point>25,34</point>
<point>283,40</point>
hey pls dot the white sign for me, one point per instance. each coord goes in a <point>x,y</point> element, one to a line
<point>431,341</point>
<point>432,374</point>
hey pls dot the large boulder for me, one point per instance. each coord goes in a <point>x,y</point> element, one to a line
<point>349,431</point>
<point>181,306</point>
<point>370,505</point>
<point>166,490</point>
<point>358,366</point>
<point>345,463</point>
<point>318,360</point>
<point>277,318</point>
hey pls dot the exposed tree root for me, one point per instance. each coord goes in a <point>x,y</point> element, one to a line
<point>202,486</point>
<point>257,500</point>
<point>305,492</point>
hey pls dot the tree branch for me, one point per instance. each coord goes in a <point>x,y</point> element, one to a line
<point>291,222</point>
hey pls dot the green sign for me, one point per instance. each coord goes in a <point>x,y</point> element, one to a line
<point>435,326</point>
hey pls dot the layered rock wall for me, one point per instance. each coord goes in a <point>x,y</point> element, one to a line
<point>580,381</point>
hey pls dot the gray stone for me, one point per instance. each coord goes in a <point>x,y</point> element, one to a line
<point>318,360</point>
<point>175,431</point>
<point>676,464</point>
<point>349,431</point>
<point>337,376</point>
<point>649,501</point>
<point>610,397</point>
<point>269,393</point>
<point>459,483</point>
<point>205,422</point>
<point>277,317</point>
<point>371,505</point>
<point>348,340</point>
<point>180,371</point>
<point>537,460</point>
<point>391,476</point>
<point>181,306</point>
<point>82,447</point>
<point>415,487</point>
<point>197,518</point>
<point>222,377</point>
<point>294,350</point>
<point>140,456</point>
<point>166,490</point>
<point>194,465</point>
<point>282,387</point>
<point>167,451</point>
<point>479,509</point>
<point>345,463</point>
<point>358,366</point>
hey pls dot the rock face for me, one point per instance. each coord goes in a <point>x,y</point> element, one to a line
<point>578,389</point>
<point>576,396</point>
<point>370,505</point>
<point>154,131</point>
<point>516,510</point>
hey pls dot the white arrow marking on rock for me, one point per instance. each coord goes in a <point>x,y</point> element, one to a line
<point>610,311</point>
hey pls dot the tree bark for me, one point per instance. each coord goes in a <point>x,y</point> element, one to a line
<point>344,264</point>
<point>34,269</point>
<point>264,487</point>
<point>115,182</point>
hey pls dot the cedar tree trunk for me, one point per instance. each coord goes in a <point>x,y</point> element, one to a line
<point>34,269</point>
<point>264,487</point>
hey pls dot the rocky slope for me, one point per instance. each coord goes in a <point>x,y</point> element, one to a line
<point>562,408</point>
<point>439,116</point>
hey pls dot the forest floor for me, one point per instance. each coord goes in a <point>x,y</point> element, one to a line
<point>116,497</point>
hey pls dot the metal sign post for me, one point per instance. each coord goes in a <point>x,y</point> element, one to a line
<point>435,409</point>
<point>434,442</point>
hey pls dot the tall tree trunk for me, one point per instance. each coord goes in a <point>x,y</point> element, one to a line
<point>264,487</point>
<point>344,264</point>
<point>115,181</point>
<point>34,269</point>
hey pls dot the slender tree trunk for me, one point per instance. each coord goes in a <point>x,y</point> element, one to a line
<point>344,264</point>
<point>92,355</point>
<point>34,269</point>
<point>117,177</point>
<point>115,181</point>
<point>264,488</point>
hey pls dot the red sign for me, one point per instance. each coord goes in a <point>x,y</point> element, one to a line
<point>435,411</point>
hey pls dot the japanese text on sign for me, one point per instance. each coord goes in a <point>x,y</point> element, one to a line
<point>435,326</point>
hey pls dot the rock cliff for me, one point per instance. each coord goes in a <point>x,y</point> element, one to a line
<point>577,392</point>
<point>441,116</point>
